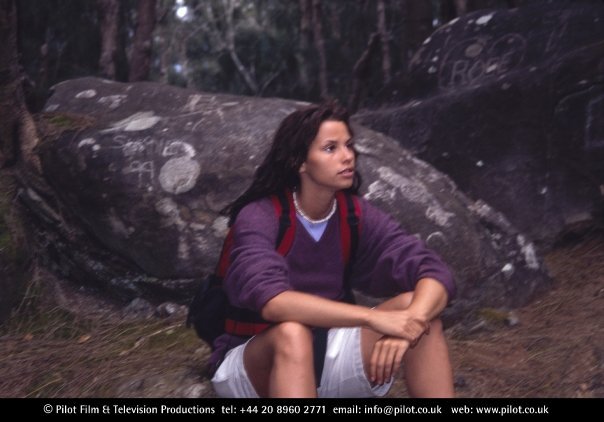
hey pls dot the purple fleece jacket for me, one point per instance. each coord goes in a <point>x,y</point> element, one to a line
<point>388,262</point>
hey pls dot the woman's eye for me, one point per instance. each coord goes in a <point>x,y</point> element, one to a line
<point>350,145</point>
<point>329,148</point>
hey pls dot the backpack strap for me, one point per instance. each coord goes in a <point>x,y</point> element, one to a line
<point>225,255</point>
<point>286,213</point>
<point>350,227</point>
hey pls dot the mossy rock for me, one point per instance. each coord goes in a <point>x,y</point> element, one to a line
<point>51,125</point>
<point>493,315</point>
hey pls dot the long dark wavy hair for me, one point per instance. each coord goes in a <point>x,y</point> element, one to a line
<point>280,168</point>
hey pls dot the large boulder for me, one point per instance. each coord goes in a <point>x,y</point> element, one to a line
<point>510,105</point>
<point>139,172</point>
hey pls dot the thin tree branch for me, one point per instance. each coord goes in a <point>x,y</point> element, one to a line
<point>360,71</point>
<point>385,40</point>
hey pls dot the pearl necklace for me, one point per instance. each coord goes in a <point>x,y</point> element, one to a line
<point>310,220</point>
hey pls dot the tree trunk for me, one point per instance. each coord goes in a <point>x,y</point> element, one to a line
<point>446,11</point>
<point>17,139</point>
<point>109,24</point>
<point>165,36</point>
<point>360,72</point>
<point>229,11</point>
<point>385,41</point>
<point>305,40</point>
<point>320,46</point>
<point>18,135</point>
<point>9,84</point>
<point>140,57</point>
<point>461,7</point>
<point>417,24</point>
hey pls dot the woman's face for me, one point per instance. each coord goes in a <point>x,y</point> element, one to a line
<point>330,161</point>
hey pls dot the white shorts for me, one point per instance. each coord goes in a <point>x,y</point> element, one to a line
<point>343,373</point>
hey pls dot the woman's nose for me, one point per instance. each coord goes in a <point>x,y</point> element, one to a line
<point>348,154</point>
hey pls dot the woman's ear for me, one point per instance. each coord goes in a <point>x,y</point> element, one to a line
<point>302,168</point>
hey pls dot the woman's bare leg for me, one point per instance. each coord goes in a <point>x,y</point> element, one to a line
<point>279,361</point>
<point>428,371</point>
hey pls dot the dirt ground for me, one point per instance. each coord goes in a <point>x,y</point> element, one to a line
<point>557,347</point>
<point>77,346</point>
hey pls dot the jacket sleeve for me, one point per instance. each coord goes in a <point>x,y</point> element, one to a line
<point>390,261</point>
<point>256,272</point>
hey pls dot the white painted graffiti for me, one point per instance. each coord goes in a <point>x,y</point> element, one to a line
<point>149,146</point>
<point>113,101</point>
<point>144,170</point>
<point>179,174</point>
<point>89,93</point>
<point>560,22</point>
<point>436,239</point>
<point>178,148</point>
<point>130,147</point>
<point>472,61</point>
<point>137,122</point>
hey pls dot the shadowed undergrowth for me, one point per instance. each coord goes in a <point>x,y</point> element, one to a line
<point>48,351</point>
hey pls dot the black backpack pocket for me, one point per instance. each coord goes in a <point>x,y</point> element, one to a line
<point>207,311</point>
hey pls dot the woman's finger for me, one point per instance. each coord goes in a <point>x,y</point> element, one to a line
<point>373,362</point>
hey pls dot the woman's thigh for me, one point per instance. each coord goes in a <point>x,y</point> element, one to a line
<point>343,371</point>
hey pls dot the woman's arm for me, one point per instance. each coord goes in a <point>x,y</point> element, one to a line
<point>390,261</point>
<point>257,272</point>
<point>320,312</point>
<point>429,299</point>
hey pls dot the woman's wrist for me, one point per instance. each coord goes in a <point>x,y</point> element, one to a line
<point>367,316</point>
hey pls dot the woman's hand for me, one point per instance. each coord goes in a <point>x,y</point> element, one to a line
<point>386,359</point>
<point>401,324</point>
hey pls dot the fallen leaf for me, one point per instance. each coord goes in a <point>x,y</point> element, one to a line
<point>84,338</point>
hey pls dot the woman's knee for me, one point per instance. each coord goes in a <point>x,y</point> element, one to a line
<point>398,303</point>
<point>436,326</point>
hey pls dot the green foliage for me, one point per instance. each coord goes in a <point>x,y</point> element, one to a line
<point>51,125</point>
<point>493,315</point>
<point>61,120</point>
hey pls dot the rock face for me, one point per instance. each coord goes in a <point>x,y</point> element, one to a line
<point>510,105</point>
<point>138,173</point>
